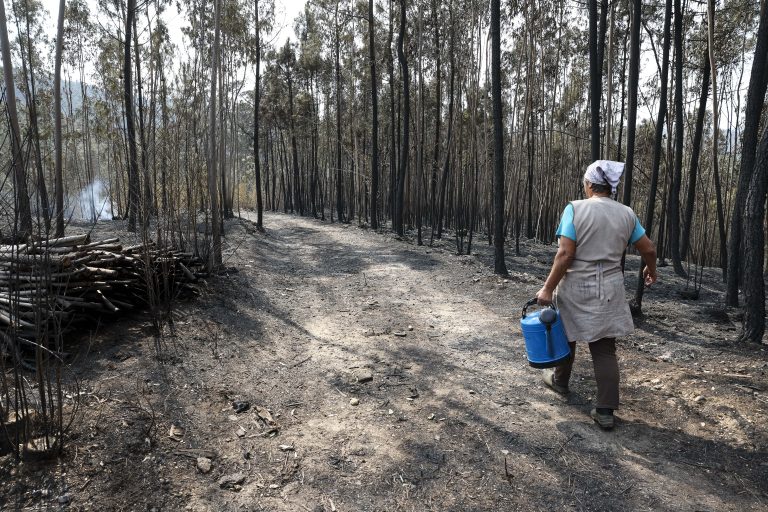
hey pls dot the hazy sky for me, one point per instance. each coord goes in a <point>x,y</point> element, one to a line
<point>285,12</point>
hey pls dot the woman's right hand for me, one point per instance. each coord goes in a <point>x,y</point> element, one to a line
<point>649,275</point>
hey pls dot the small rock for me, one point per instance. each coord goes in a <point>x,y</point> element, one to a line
<point>399,334</point>
<point>364,376</point>
<point>699,399</point>
<point>232,417</point>
<point>231,480</point>
<point>354,401</point>
<point>240,431</point>
<point>390,411</point>
<point>410,327</point>
<point>240,406</point>
<point>176,432</point>
<point>274,486</point>
<point>204,465</point>
<point>655,381</point>
<point>64,499</point>
<point>431,416</point>
<point>286,447</point>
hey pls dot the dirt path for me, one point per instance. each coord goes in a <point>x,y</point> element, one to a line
<point>449,416</point>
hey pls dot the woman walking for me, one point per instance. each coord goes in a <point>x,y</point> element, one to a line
<point>588,282</point>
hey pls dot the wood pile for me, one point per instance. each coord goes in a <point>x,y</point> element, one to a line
<point>57,285</point>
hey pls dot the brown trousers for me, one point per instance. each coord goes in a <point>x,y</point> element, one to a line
<point>606,371</point>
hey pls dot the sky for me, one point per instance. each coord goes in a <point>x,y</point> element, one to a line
<point>285,13</point>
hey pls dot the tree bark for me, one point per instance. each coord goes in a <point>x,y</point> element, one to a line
<point>755,97</point>
<point>715,141</point>
<point>214,260</point>
<point>374,120</point>
<point>22,208</point>
<point>256,125</point>
<point>695,154</point>
<point>57,140</point>
<point>634,78</point>
<point>134,193</point>
<point>499,266</point>
<point>677,174</point>
<point>406,117</point>
<point>753,327</point>
<point>595,81</point>
<point>657,148</point>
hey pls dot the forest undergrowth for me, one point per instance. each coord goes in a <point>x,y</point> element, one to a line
<point>337,368</point>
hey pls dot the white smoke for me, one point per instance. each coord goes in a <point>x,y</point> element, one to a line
<point>91,204</point>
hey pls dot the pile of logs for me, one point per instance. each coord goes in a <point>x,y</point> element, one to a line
<point>56,285</point>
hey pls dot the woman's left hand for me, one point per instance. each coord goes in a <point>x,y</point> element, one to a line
<point>544,297</point>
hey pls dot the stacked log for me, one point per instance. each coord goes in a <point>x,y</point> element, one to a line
<point>57,285</point>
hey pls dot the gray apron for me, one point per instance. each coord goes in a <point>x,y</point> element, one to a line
<point>591,296</point>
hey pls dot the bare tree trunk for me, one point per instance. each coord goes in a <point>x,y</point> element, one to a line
<point>755,98</point>
<point>449,138</point>
<point>57,140</point>
<point>651,204</point>
<point>31,100</point>
<point>499,266</point>
<point>23,210</point>
<point>339,175</point>
<point>256,119</point>
<point>215,254</point>
<point>677,173</point>
<point>374,121</point>
<point>754,248</point>
<point>634,78</point>
<point>134,194</point>
<point>715,138</point>
<point>402,170</point>
<point>595,81</point>
<point>438,119</point>
<point>685,241</point>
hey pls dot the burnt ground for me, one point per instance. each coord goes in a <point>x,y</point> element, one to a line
<point>452,418</point>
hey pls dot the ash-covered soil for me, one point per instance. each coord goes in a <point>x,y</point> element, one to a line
<point>382,375</point>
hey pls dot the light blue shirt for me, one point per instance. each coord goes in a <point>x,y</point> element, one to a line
<point>568,230</point>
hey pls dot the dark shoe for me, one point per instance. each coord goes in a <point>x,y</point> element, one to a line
<point>604,420</point>
<point>548,376</point>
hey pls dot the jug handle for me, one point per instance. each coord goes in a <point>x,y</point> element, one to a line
<point>532,302</point>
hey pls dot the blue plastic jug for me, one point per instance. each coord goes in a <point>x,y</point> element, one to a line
<point>545,341</point>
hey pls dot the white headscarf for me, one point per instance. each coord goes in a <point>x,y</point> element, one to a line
<point>605,172</point>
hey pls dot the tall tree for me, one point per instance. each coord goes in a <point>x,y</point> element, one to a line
<point>677,172</point>
<point>753,327</point>
<point>634,78</point>
<point>256,123</point>
<point>755,98</point>
<point>595,81</point>
<point>693,172</point>
<point>716,137</point>
<point>57,140</point>
<point>657,146</point>
<point>374,119</point>
<point>22,207</point>
<point>402,171</point>
<point>134,193</point>
<point>214,260</point>
<point>499,266</point>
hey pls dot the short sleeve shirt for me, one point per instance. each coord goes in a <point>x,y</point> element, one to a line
<point>568,230</point>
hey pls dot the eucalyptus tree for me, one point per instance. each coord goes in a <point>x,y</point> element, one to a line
<point>657,147</point>
<point>30,34</point>
<point>18,169</point>
<point>214,258</point>
<point>134,194</point>
<point>402,170</point>
<point>499,266</point>
<point>755,98</point>
<point>677,173</point>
